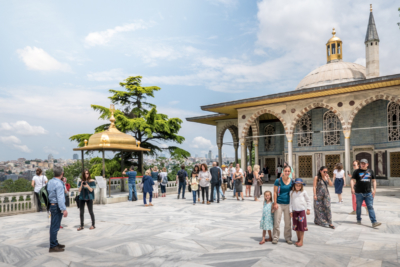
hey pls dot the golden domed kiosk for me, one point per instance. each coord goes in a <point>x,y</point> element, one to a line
<point>110,140</point>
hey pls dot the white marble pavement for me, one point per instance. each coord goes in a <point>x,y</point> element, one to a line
<point>175,233</point>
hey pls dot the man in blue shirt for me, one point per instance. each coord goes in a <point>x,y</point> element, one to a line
<point>55,189</point>
<point>131,182</point>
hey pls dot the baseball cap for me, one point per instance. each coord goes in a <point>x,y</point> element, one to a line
<point>364,161</point>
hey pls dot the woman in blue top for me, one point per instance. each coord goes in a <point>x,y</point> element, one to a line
<point>291,175</point>
<point>282,188</point>
<point>154,175</point>
<point>86,189</point>
<point>148,183</point>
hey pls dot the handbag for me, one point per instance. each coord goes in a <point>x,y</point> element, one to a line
<point>189,188</point>
<point>259,182</point>
<point>77,201</point>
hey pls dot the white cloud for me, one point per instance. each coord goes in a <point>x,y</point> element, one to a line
<point>22,148</point>
<point>360,61</point>
<point>23,128</point>
<point>10,139</point>
<point>14,142</point>
<point>201,142</point>
<point>103,37</point>
<point>37,59</point>
<point>49,150</point>
<point>111,75</point>
<point>163,145</point>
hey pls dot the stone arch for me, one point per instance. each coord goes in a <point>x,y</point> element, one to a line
<point>233,129</point>
<point>313,106</point>
<point>251,121</point>
<point>367,101</point>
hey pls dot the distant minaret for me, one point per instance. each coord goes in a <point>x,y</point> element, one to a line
<point>372,48</point>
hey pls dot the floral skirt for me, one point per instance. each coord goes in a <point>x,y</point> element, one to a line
<point>299,221</point>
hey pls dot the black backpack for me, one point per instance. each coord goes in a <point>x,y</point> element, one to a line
<point>159,178</point>
<point>181,176</point>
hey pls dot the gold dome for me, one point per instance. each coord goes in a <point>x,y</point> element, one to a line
<point>334,48</point>
<point>334,38</point>
<point>112,139</point>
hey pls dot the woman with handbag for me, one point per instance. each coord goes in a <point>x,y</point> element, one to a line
<point>238,177</point>
<point>86,196</point>
<point>38,181</point>
<point>257,182</point>
<point>248,180</point>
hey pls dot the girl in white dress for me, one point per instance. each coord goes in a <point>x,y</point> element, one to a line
<point>267,220</point>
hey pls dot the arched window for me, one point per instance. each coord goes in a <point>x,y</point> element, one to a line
<point>304,127</point>
<point>332,125</point>
<point>269,140</point>
<point>393,121</point>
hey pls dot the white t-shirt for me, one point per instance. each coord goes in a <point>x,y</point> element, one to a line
<point>339,174</point>
<point>40,181</point>
<point>279,169</point>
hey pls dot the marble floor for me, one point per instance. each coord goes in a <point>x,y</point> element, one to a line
<point>175,233</point>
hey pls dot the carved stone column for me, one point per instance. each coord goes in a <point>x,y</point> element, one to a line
<point>347,159</point>
<point>256,152</point>
<point>290,148</point>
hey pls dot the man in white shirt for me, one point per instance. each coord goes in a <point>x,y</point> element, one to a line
<point>38,181</point>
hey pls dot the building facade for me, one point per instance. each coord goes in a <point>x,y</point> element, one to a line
<point>339,112</point>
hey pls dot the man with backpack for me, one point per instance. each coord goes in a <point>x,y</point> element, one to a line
<point>181,179</point>
<point>131,183</point>
<point>55,189</point>
<point>216,176</point>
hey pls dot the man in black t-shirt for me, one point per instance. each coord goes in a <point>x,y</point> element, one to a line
<point>361,183</point>
<point>266,173</point>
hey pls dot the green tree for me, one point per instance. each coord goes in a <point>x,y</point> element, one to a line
<point>22,185</point>
<point>8,186</point>
<point>140,119</point>
<point>27,162</point>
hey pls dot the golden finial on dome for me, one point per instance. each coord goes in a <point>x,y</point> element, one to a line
<point>85,142</point>
<point>370,7</point>
<point>138,143</point>
<point>333,32</point>
<point>112,119</point>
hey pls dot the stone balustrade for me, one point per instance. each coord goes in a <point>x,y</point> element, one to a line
<point>14,203</point>
<point>25,202</point>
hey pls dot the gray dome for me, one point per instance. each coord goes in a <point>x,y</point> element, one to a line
<point>332,73</point>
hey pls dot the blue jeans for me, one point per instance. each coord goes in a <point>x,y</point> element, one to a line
<point>234,188</point>
<point>56,217</point>
<point>369,201</point>
<point>163,190</point>
<point>194,196</point>
<point>220,192</point>
<point>132,187</point>
<point>183,187</point>
<point>144,197</point>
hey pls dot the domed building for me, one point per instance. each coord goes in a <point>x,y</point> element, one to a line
<point>338,113</point>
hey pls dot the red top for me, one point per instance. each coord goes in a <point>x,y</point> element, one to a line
<point>68,186</point>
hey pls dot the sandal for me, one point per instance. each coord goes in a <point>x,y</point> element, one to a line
<point>262,242</point>
<point>80,228</point>
<point>92,227</point>
<point>332,226</point>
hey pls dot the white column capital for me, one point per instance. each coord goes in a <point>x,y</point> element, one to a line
<point>347,133</point>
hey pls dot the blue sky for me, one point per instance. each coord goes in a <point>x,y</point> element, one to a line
<point>58,58</point>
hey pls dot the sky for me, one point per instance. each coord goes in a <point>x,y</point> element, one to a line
<point>59,57</point>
